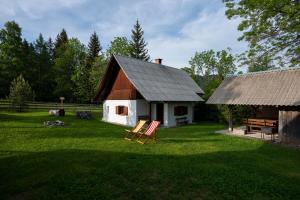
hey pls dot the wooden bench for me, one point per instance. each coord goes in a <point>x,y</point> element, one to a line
<point>182,121</point>
<point>264,126</point>
<point>143,117</point>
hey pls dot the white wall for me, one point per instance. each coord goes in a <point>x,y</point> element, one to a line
<point>140,108</point>
<point>172,118</point>
<point>169,118</point>
<point>109,112</point>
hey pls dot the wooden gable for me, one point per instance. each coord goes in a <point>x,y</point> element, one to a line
<point>116,86</point>
<point>122,88</point>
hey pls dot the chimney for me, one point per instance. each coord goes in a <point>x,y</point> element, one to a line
<point>158,60</point>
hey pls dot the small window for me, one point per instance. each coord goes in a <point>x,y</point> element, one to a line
<point>180,110</point>
<point>122,110</point>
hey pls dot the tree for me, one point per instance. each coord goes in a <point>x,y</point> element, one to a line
<point>20,93</point>
<point>50,47</point>
<point>61,39</point>
<point>97,74</point>
<point>271,27</point>
<point>262,63</point>
<point>29,60</point>
<point>220,63</point>
<point>138,44</point>
<point>43,82</point>
<point>84,87</point>
<point>119,46</point>
<point>94,48</point>
<point>68,64</point>
<point>11,56</point>
<point>214,66</point>
<point>211,68</point>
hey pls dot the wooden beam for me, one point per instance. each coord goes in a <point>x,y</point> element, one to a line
<point>230,108</point>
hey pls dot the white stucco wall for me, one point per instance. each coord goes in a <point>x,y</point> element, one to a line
<point>136,108</point>
<point>172,118</point>
<point>141,108</point>
<point>169,118</point>
<point>109,112</point>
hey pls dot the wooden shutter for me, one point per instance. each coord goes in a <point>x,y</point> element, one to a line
<point>117,110</point>
<point>125,110</point>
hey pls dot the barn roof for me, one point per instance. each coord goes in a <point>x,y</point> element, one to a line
<point>274,88</point>
<point>157,82</point>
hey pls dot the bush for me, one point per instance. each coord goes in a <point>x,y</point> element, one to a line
<point>20,93</point>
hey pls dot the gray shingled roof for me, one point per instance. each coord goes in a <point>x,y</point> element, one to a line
<point>157,82</point>
<point>276,88</point>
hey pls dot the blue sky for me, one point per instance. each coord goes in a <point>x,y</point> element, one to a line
<point>174,29</point>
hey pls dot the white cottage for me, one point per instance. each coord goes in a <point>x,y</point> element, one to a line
<point>133,89</point>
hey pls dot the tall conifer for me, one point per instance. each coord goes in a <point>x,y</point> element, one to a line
<point>138,44</point>
<point>94,48</point>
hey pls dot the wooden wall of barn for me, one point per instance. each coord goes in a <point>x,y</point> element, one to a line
<point>289,125</point>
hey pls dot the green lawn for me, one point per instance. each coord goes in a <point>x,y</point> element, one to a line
<point>88,159</point>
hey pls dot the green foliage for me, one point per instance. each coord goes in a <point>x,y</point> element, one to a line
<point>55,69</point>
<point>61,39</point>
<point>85,87</point>
<point>11,56</point>
<point>191,71</point>
<point>70,59</point>
<point>20,92</point>
<point>209,68</point>
<point>94,48</point>
<point>42,79</point>
<point>96,75</point>
<point>119,46</point>
<point>138,44</point>
<point>262,63</point>
<point>220,63</point>
<point>271,27</point>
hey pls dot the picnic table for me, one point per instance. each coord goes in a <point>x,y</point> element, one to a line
<point>264,126</point>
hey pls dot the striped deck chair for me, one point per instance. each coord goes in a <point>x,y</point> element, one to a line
<point>138,127</point>
<point>150,133</point>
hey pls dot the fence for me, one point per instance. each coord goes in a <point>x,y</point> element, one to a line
<point>35,106</point>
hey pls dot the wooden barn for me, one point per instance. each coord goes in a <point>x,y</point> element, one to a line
<point>133,89</point>
<point>274,97</point>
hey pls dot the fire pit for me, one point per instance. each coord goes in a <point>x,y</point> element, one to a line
<point>54,123</point>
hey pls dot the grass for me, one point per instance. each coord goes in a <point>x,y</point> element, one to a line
<point>88,159</point>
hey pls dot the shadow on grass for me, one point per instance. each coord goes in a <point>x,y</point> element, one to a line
<point>184,140</point>
<point>79,174</point>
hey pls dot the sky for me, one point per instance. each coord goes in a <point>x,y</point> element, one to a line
<point>173,29</point>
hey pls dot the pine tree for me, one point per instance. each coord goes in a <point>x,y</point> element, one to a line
<point>94,48</point>
<point>138,44</point>
<point>68,63</point>
<point>29,60</point>
<point>20,92</point>
<point>43,82</point>
<point>11,55</point>
<point>61,38</point>
<point>50,47</point>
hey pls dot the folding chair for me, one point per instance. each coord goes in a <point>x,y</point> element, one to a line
<point>150,133</point>
<point>135,130</point>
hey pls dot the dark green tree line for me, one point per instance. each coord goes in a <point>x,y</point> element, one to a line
<point>65,67</point>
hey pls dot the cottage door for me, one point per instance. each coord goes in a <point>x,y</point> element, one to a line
<point>160,112</point>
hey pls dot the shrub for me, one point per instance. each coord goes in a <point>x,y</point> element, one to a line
<point>20,93</point>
